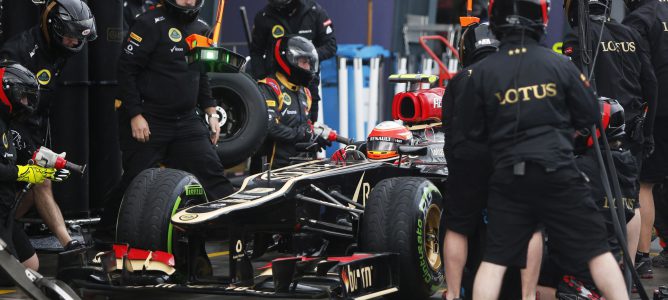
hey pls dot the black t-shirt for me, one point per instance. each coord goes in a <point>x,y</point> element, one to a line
<point>530,101</point>
<point>623,70</point>
<point>650,19</point>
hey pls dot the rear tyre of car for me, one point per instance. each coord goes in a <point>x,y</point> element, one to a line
<point>415,214</point>
<point>375,226</point>
<point>154,204</point>
<point>245,121</point>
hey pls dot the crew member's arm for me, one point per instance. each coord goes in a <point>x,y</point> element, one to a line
<point>649,85</point>
<point>571,47</point>
<point>139,45</point>
<point>277,130</point>
<point>137,48</point>
<point>580,99</point>
<point>325,40</point>
<point>259,46</point>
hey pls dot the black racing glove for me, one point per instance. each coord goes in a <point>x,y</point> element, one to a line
<point>322,143</point>
<point>314,111</point>
<point>648,146</point>
<point>305,133</point>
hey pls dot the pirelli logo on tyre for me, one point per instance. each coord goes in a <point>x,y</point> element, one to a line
<point>188,217</point>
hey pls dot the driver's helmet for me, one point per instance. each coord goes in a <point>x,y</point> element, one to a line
<point>20,91</point>
<point>289,52</point>
<point>384,140</point>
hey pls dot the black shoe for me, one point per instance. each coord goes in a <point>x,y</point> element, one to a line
<point>644,268</point>
<point>74,245</point>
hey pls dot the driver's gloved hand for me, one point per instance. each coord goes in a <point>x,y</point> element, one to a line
<point>305,133</point>
<point>322,143</point>
<point>648,146</point>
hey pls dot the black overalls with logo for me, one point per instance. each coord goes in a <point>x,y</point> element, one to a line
<point>157,82</point>
<point>288,107</point>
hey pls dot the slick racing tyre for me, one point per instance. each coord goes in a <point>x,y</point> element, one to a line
<point>144,219</point>
<point>375,224</point>
<point>243,116</point>
<point>415,214</point>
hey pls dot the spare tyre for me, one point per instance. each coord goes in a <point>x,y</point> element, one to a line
<point>243,116</point>
<point>415,212</point>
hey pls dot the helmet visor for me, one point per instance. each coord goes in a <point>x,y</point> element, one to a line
<point>302,54</point>
<point>80,30</point>
<point>25,96</point>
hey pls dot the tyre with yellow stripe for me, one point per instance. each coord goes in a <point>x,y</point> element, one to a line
<point>415,211</point>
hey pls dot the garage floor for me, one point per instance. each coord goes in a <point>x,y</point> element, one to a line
<point>218,257</point>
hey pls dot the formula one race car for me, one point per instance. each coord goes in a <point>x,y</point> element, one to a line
<point>354,228</point>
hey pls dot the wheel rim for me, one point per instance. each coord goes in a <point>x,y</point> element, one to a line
<point>432,243</point>
<point>233,111</point>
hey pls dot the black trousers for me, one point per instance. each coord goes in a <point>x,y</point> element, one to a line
<point>182,144</point>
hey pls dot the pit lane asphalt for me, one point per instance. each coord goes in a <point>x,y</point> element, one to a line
<point>218,256</point>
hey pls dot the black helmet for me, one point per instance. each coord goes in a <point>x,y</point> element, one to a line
<point>596,8</point>
<point>20,90</point>
<point>288,51</point>
<point>612,117</point>
<point>68,18</point>
<point>186,14</point>
<point>279,4</point>
<point>631,4</point>
<point>476,39</point>
<point>513,15</point>
<point>284,7</point>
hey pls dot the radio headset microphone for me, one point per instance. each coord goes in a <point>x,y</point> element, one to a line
<point>616,206</point>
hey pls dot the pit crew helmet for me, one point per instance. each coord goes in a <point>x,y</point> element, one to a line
<point>68,18</point>
<point>19,95</point>
<point>514,15</point>
<point>288,51</point>
<point>384,140</point>
<point>280,4</point>
<point>612,117</point>
<point>186,14</point>
<point>596,8</point>
<point>476,39</point>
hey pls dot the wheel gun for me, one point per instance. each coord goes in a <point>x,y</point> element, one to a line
<point>45,157</point>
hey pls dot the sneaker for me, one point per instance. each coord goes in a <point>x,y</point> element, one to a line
<point>74,245</point>
<point>644,268</point>
<point>661,260</point>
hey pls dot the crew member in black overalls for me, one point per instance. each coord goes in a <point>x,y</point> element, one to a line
<point>532,102</point>
<point>159,95</point>
<point>19,97</point>
<point>288,100</point>
<point>622,72</point>
<point>650,19</point>
<point>66,26</point>
<point>279,18</point>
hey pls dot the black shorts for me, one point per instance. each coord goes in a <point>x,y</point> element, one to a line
<point>655,167</point>
<point>628,170</point>
<point>559,200</point>
<point>467,188</point>
<point>22,245</point>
